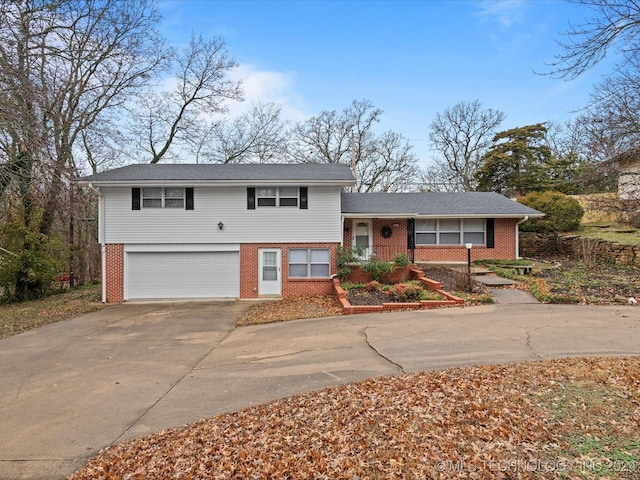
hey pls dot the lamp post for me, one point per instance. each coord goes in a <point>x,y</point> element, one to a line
<point>468,246</point>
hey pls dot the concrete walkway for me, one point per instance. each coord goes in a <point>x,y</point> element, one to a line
<point>72,388</point>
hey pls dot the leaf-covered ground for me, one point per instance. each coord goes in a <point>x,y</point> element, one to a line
<point>19,317</point>
<point>601,284</point>
<point>294,308</point>
<point>571,419</point>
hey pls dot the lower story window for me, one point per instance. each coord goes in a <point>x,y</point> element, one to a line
<point>309,262</point>
<point>450,231</point>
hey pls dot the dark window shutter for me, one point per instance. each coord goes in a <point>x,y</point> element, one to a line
<point>135,199</point>
<point>491,236</point>
<point>251,198</point>
<point>304,196</point>
<point>188,193</point>
<point>411,233</point>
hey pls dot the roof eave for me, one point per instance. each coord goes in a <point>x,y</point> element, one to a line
<point>212,183</point>
<point>447,215</point>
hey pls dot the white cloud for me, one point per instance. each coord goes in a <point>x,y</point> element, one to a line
<point>504,12</point>
<point>268,86</point>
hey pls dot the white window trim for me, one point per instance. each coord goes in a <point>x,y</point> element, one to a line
<point>309,263</point>
<point>278,197</point>
<point>163,198</point>
<point>460,231</point>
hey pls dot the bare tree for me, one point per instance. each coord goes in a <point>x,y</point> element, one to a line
<point>391,167</point>
<point>201,87</point>
<point>615,26</point>
<point>258,136</point>
<point>333,137</point>
<point>380,162</point>
<point>64,64</point>
<point>460,136</point>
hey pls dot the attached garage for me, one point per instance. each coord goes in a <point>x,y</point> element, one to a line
<point>170,273</point>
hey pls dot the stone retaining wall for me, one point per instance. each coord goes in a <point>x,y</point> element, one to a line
<point>582,248</point>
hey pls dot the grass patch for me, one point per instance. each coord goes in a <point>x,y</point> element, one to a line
<point>20,317</point>
<point>611,232</point>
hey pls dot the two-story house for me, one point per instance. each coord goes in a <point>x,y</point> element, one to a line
<point>250,231</point>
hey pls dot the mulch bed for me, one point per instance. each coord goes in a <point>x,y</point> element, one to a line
<point>358,296</point>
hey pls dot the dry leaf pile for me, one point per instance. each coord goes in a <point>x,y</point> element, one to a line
<point>516,421</point>
<point>292,308</point>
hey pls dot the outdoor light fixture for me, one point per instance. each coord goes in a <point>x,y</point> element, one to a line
<point>220,225</point>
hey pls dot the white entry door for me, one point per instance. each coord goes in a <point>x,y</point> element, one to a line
<point>270,271</point>
<point>363,237</point>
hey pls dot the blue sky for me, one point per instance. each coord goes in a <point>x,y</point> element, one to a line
<point>412,59</point>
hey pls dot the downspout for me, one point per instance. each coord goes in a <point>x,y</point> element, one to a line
<point>526,217</point>
<point>103,247</point>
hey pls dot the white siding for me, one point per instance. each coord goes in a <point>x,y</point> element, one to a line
<point>321,222</point>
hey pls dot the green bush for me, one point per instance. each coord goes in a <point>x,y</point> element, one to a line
<point>345,257</point>
<point>562,213</point>
<point>401,260</point>
<point>29,262</point>
<point>378,269</point>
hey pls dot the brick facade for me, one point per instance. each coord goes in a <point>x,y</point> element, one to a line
<point>115,272</point>
<point>386,248</point>
<point>504,247</point>
<point>290,287</point>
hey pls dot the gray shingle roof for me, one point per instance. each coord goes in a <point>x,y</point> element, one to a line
<point>225,172</point>
<point>434,204</point>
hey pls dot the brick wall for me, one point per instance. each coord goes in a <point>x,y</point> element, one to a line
<point>290,287</point>
<point>386,248</point>
<point>505,246</point>
<point>115,272</point>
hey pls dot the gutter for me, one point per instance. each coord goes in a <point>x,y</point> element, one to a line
<point>103,247</point>
<point>526,217</point>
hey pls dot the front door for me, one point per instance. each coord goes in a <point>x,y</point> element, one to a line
<point>363,238</point>
<point>270,271</point>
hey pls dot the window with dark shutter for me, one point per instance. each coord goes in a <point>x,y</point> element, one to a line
<point>304,196</point>
<point>135,199</point>
<point>251,198</point>
<point>411,232</point>
<point>491,242</point>
<point>189,198</point>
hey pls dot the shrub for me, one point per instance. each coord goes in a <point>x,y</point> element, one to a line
<point>344,257</point>
<point>562,213</point>
<point>372,286</point>
<point>405,293</point>
<point>401,260</point>
<point>378,269</point>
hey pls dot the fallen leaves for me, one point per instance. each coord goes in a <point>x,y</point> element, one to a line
<point>293,308</point>
<point>19,317</point>
<point>480,422</point>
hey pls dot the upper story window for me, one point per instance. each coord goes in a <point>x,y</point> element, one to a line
<point>296,197</point>
<point>450,231</point>
<point>155,197</point>
<point>277,196</point>
<point>162,197</point>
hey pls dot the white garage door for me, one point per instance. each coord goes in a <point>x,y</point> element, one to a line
<point>183,275</point>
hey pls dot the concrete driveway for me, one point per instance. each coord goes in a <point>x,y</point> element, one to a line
<point>72,388</point>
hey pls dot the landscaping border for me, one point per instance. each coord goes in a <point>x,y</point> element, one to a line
<point>416,274</point>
